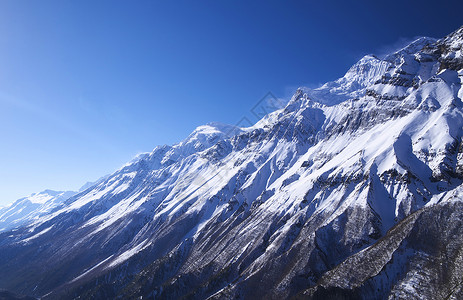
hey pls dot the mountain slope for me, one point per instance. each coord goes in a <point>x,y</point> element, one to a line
<point>420,258</point>
<point>268,211</point>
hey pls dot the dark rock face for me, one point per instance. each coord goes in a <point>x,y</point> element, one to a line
<point>419,258</point>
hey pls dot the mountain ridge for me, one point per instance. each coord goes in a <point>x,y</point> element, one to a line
<point>273,210</point>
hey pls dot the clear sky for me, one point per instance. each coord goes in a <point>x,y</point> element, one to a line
<point>86,85</point>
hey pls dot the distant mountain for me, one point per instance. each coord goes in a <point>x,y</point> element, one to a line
<point>31,208</point>
<point>352,191</point>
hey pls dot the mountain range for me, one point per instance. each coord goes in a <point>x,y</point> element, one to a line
<point>351,191</point>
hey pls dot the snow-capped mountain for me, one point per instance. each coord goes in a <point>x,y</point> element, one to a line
<point>327,197</point>
<point>29,208</point>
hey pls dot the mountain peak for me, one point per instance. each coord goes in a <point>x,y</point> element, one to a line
<point>413,47</point>
<point>213,128</point>
<point>353,84</point>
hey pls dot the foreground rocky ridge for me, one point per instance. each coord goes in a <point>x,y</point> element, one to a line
<point>286,208</point>
<point>420,258</point>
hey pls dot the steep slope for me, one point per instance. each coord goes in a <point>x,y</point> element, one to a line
<point>264,211</point>
<point>420,258</point>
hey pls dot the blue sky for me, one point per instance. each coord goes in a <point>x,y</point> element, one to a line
<point>86,85</point>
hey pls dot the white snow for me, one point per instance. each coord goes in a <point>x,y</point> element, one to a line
<point>329,149</point>
<point>37,234</point>
<point>129,253</point>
